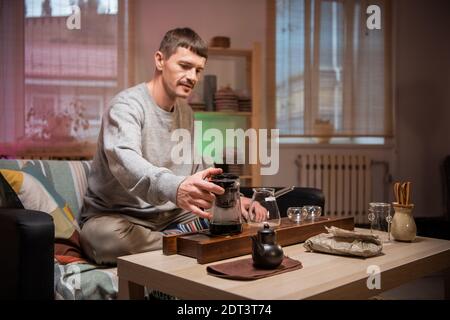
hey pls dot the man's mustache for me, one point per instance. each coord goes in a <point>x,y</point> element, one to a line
<point>188,83</point>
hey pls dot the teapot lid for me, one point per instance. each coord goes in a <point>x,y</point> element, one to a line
<point>266,229</point>
<point>267,234</point>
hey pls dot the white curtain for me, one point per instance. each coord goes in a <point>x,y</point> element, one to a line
<point>330,68</point>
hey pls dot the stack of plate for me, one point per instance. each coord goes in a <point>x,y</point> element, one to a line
<point>245,104</point>
<point>226,100</point>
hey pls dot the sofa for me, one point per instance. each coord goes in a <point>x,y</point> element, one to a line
<point>30,268</point>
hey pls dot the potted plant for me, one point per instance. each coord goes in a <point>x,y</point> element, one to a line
<point>61,125</point>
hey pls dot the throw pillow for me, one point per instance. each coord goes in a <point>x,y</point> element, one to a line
<point>36,193</point>
<point>8,197</point>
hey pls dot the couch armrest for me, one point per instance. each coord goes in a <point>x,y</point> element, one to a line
<point>298,197</point>
<point>27,253</point>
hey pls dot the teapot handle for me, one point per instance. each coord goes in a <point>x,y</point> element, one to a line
<point>257,246</point>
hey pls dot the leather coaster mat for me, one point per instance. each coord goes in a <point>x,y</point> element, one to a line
<point>244,270</point>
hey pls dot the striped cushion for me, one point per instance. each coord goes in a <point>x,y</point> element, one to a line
<point>69,178</point>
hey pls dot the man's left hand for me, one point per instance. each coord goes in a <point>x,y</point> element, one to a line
<point>258,212</point>
<point>245,206</point>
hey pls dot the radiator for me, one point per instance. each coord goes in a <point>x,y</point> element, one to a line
<point>345,180</point>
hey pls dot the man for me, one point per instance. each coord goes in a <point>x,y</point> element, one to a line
<point>135,191</point>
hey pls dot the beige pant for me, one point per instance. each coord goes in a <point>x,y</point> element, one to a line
<point>104,237</point>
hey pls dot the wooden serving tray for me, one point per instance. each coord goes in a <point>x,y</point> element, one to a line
<point>206,248</point>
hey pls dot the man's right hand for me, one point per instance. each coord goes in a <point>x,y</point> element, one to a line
<point>197,192</point>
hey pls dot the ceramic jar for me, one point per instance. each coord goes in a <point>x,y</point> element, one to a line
<point>403,227</point>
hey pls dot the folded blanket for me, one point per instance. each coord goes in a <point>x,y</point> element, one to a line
<point>344,242</point>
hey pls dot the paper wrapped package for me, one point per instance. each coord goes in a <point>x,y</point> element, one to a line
<point>344,242</point>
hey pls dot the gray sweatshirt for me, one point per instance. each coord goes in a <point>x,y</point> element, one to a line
<point>132,172</point>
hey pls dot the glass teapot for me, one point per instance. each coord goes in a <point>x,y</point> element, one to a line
<point>263,208</point>
<point>226,210</point>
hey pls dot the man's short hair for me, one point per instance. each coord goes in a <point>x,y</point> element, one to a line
<point>185,38</point>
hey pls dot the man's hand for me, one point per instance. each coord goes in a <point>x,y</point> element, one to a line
<point>257,212</point>
<point>245,205</point>
<point>197,192</point>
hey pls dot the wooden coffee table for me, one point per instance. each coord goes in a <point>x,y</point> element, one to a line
<point>323,276</point>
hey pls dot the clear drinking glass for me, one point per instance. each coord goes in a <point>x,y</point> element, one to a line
<point>380,219</point>
<point>264,208</point>
<point>311,212</point>
<point>296,214</point>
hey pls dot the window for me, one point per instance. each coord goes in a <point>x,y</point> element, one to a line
<point>66,72</point>
<point>332,74</point>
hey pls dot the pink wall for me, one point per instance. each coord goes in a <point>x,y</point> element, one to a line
<point>243,21</point>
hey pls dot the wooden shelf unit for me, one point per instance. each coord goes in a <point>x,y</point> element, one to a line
<point>252,57</point>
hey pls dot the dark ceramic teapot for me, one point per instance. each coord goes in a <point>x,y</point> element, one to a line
<point>266,253</point>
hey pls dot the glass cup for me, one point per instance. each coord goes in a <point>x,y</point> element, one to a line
<point>380,218</point>
<point>296,214</point>
<point>311,212</point>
